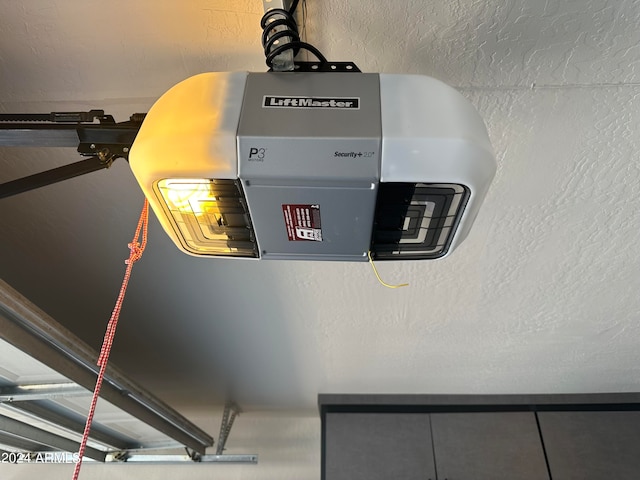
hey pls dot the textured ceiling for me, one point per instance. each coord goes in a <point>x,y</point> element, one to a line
<point>542,296</point>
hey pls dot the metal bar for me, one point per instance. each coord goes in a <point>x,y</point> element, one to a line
<point>38,135</point>
<point>346,67</point>
<point>49,177</point>
<point>75,425</point>
<point>223,426</point>
<point>69,129</point>
<point>63,117</point>
<point>31,330</point>
<point>227,429</point>
<point>22,444</point>
<point>103,141</point>
<point>251,459</point>
<point>42,437</point>
<point>231,410</point>
<point>23,393</point>
<point>25,117</point>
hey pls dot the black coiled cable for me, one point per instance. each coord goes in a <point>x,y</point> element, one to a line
<point>290,30</point>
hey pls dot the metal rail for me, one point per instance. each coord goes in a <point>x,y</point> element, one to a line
<point>31,330</point>
<point>251,458</point>
<point>102,142</point>
<point>15,428</point>
<point>70,422</point>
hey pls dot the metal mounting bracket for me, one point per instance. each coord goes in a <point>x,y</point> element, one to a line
<point>348,67</point>
<point>102,142</point>
<point>126,457</point>
<point>231,410</point>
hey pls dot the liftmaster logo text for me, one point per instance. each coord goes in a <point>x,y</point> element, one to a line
<point>337,103</point>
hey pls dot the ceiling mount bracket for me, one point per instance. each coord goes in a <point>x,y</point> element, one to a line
<point>348,67</point>
<point>231,411</point>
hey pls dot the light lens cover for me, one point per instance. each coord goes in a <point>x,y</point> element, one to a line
<point>210,217</point>
<point>416,221</point>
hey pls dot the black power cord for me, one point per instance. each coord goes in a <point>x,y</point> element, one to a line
<point>290,30</point>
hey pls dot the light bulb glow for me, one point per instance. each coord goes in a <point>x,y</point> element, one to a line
<point>187,196</point>
<point>209,215</point>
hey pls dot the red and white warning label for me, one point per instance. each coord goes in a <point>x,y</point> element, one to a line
<point>303,222</point>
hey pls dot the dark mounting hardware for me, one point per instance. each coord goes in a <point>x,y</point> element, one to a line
<point>59,117</point>
<point>325,67</point>
<point>102,142</point>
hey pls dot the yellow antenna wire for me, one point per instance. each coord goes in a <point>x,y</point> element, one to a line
<point>375,270</point>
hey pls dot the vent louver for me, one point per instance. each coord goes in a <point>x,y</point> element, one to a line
<point>416,221</point>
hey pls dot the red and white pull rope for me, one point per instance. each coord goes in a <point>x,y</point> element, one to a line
<point>136,248</point>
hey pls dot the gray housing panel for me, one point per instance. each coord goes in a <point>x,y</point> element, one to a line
<point>328,157</point>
